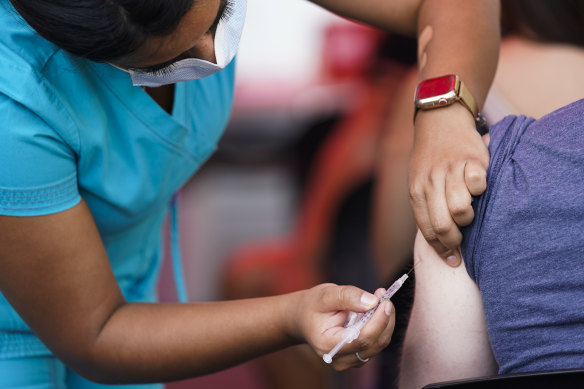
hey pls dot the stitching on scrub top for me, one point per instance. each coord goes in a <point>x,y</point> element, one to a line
<point>174,146</point>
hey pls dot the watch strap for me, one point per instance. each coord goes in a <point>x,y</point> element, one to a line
<point>466,98</point>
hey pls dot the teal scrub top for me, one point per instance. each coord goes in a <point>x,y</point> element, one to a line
<point>73,129</point>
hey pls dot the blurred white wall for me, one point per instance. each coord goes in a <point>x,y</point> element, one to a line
<point>282,40</point>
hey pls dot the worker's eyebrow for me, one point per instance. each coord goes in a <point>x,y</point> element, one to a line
<point>224,10</point>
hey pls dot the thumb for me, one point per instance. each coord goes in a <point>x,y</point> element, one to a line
<point>349,298</point>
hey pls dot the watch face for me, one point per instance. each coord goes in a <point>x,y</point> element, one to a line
<point>436,86</point>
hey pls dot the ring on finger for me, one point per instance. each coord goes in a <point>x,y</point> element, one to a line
<point>361,359</point>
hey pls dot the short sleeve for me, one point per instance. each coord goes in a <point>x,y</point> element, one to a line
<point>38,173</point>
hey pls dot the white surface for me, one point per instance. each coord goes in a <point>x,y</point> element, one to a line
<point>282,39</point>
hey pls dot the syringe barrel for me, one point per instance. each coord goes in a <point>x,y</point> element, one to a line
<point>352,332</point>
<point>394,287</point>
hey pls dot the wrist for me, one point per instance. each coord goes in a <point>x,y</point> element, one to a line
<point>290,316</point>
<point>448,120</point>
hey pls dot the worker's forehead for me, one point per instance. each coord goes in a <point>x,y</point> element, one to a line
<point>190,30</point>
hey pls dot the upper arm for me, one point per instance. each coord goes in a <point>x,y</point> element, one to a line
<point>55,273</point>
<point>395,15</point>
<point>446,337</point>
<point>54,270</point>
<point>449,28</point>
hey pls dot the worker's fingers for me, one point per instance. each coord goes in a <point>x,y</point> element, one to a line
<point>374,337</point>
<point>444,229</point>
<point>458,197</point>
<point>354,316</point>
<point>419,205</point>
<point>376,334</point>
<point>379,292</point>
<point>475,177</point>
<point>347,298</point>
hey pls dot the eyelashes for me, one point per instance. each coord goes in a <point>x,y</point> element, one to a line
<point>228,10</point>
<point>226,13</point>
<point>166,69</point>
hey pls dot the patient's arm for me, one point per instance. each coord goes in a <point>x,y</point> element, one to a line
<point>447,337</point>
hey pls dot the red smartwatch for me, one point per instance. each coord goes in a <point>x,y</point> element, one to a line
<point>446,90</point>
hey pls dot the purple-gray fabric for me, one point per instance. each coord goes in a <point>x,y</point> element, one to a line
<point>525,249</point>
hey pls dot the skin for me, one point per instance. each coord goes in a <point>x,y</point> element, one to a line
<point>395,15</point>
<point>447,301</point>
<point>193,36</point>
<point>449,161</point>
<point>447,336</point>
<point>77,309</point>
<point>73,303</point>
<point>394,227</point>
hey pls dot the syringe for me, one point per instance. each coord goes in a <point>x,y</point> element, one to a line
<point>352,331</point>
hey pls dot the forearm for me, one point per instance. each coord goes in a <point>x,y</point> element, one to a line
<point>449,160</point>
<point>77,310</point>
<point>162,342</point>
<point>391,15</point>
<point>460,37</point>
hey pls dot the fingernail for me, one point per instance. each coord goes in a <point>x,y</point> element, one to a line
<point>368,300</point>
<point>452,260</point>
<point>388,309</point>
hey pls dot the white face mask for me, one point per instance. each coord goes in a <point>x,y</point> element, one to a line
<point>227,36</point>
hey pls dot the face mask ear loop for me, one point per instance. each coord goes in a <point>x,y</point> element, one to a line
<point>119,68</point>
<point>179,278</point>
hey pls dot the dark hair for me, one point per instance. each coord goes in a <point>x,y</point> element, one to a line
<point>102,30</point>
<point>558,21</point>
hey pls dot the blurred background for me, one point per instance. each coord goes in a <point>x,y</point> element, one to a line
<point>285,201</point>
<point>320,136</point>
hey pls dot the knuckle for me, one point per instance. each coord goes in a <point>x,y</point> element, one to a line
<point>322,292</point>
<point>435,179</point>
<point>476,175</point>
<point>429,233</point>
<point>384,340</point>
<point>476,178</point>
<point>364,343</point>
<point>464,219</point>
<point>416,193</point>
<point>460,209</point>
<point>441,227</point>
<point>343,295</point>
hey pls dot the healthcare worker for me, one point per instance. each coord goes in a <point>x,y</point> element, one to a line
<point>108,107</point>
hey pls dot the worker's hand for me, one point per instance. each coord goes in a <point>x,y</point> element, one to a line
<point>323,311</point>
<point>449,166</point>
